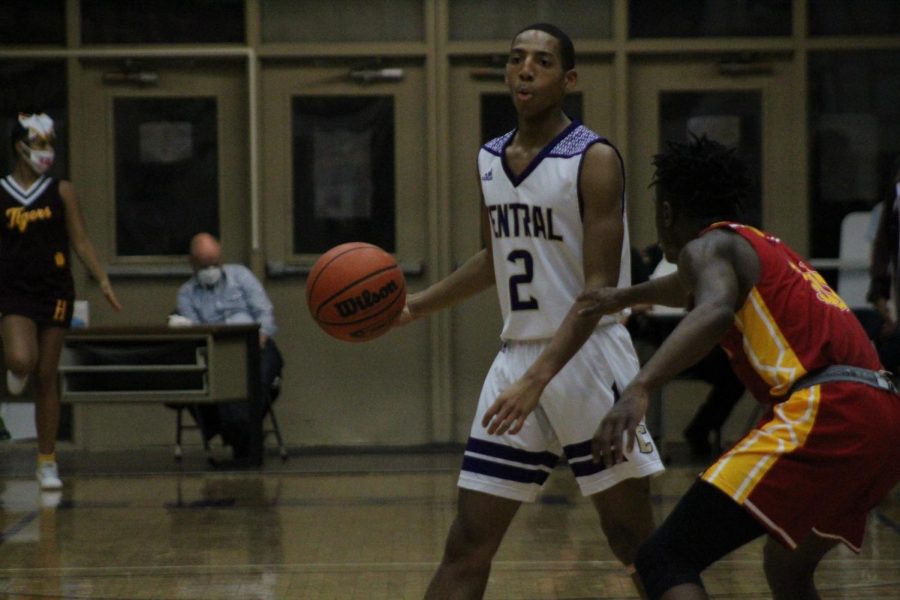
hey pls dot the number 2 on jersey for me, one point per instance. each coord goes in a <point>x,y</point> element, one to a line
<point>515,302</point>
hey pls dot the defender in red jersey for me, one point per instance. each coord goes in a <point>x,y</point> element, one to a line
<point>824,454</point>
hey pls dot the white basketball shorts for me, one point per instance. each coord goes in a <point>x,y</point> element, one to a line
<point>570,409</point>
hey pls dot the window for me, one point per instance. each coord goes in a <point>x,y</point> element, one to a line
<point>342,21</point>
<point>709,18</point>
<point>854,17</point>
<point>167,176</point>
<point>734,119</point>
<point>26,22</point>
<point>501,19</point>
<point>162,22</point>
<point>498,115</point>
<point>854,137</point>
<point>343,172</point>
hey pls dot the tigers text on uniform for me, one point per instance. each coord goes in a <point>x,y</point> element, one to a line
<point>19,218</point>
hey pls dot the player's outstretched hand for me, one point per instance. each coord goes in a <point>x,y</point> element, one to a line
<point>110,295</point>
<point>622,420</point>
<point>599,302</point>
<point>510,409</point>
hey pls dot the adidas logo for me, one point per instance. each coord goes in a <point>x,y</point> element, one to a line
<point>489,176</point>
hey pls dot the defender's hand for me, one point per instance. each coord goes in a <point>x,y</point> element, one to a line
<point>602,301</point>
<point>609,444</point>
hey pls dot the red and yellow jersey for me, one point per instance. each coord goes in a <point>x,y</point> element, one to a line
<point>791,323</point>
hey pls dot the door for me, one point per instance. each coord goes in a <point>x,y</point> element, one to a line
<point>343,159</point>
<point>165,158</point>
<point>744,105</point>
<point>747,106</point>
<point>481,109</point>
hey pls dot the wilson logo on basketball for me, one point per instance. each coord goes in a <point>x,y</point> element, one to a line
<point>355,291</point>
<point>368,299</point>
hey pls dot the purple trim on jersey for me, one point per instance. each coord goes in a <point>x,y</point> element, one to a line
<point>577,141</point>
<point>485,465</point>
<point>480,466</point>
<point>498,144</point>
<point>495,450</point>
<point>559,147</point>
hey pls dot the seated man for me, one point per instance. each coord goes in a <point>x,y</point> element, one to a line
<point>231,294</point>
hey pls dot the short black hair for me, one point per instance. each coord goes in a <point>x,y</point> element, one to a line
<point>702,179</point>
<point>566,47</point>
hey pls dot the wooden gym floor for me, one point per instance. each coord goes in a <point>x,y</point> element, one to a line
<point>134,525</point>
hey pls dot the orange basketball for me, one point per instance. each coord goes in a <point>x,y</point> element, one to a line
<point>355,291</point>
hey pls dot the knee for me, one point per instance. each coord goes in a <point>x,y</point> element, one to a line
<point>20,363</point>
<point>662,565</point>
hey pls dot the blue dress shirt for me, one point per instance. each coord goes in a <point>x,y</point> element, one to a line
<point>238,297</point>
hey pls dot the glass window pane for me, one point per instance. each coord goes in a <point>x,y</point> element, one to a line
<point>162,22</point>
<point>501,19</point>
<point>343,172</point>
<point>709,18</point>
<point>167,175</point>
<point>34,86</point>
<point>342,21</point>
<point>498,115</point>
<point>25,22</point>
<point>854,17</point>
<point>855,136</point>
<point>730,118</point>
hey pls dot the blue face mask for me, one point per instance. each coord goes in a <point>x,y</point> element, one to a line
<point>209,276</point>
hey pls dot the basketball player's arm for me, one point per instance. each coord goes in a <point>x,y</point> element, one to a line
<point>475,275</point>
<point>82,244</point>
<point>601,185</point>
<point>665,291</point>
<point>708,269</point>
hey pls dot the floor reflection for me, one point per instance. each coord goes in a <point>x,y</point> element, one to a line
<point>354,527</point>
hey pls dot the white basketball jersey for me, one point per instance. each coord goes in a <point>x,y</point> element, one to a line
<point>537,232</point>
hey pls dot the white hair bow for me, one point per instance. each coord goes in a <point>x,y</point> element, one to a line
<point>38,125</point>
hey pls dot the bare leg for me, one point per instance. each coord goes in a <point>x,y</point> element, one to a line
<point>46,388</point>
<point>790,573</point>
<point>20,344</point>
<point>627,519</point>
<point>480,524</point>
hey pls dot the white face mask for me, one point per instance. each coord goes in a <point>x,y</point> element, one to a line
<point>39,160</point>
<point>209,276</point>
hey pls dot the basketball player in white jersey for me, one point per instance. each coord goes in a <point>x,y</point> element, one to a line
<point>554,224</point>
